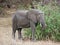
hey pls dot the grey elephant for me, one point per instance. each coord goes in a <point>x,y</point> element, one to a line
<point>25,19</point>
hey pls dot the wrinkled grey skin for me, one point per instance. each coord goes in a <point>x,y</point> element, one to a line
<point>26,19</point>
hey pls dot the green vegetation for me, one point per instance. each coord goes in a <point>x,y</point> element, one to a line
<point>52,18</point>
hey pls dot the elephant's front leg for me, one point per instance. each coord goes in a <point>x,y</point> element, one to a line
<point>32,24</point>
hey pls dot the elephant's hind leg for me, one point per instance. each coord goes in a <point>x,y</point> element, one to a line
<point>13,33</point>
<point>19,33</point>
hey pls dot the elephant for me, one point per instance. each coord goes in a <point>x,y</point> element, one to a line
<point>27,19</point>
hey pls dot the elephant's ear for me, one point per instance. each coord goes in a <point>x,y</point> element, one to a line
<point>32,17</point>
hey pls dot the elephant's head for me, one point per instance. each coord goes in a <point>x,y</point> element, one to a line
<point>37,16</point>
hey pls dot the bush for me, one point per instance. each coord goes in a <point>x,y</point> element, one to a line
<point>52,18</point>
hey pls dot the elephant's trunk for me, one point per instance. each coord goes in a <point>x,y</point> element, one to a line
<point>42,21</point>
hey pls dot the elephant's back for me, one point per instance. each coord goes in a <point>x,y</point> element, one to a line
<point>21,12</point>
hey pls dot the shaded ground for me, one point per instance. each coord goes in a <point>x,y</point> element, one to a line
<point>6,35</point>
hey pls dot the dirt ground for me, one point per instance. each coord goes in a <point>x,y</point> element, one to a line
<point>6,35</point>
